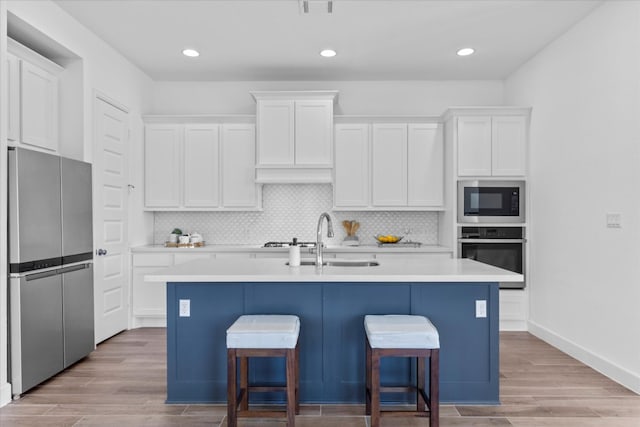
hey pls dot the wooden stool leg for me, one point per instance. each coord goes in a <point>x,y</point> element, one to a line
<point>244,383</point>
<point>291,387</point>
<point>421,372</point>
<point>232,420</point>
<point>375,389</point>
<point>367,391</point>
<point>434,388</point>
<point>297,379</point>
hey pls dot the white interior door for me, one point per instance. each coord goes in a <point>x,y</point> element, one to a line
<point>110,191</point>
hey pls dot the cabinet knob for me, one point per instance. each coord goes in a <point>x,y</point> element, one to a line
<point>101,252</point>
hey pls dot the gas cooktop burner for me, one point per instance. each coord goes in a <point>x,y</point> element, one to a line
<point>287,244</point>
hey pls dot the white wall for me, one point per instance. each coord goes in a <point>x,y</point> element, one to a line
<point>108,72</point>
<point>5,388</point>
<point>103,70</point>
<point>428,98</point>
<point>585,155</point>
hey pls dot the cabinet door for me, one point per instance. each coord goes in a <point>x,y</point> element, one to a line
<point>148,298</point>
<point>162,166</point>
<point>275,132</point>
<point>13,77</point>
<point>508,150</point>
<point>351,179</point>
<point>389,163</point>
<point>474,146</point>
<point>39,107</point>
<point>238,165</point>
<point>425,160</point>
<point>201,166</point>
<point>313,132</point>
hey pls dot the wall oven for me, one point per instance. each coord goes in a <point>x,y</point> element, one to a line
<point>502,247</point>
<point>491,202</point>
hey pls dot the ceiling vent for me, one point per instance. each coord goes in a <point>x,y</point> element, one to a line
<point>315,6</point>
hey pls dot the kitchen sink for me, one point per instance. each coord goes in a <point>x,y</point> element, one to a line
<point>342,263</point>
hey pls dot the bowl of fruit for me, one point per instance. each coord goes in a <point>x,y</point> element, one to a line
<point>387,238</point>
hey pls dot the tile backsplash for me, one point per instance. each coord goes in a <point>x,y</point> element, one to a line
<point>292,210</point>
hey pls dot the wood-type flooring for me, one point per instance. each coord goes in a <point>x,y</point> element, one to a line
<point>122,383</point>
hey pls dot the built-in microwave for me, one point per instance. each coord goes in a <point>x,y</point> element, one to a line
<point>491,202</point>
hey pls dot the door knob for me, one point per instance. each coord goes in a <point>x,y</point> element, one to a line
<point>101,252</point>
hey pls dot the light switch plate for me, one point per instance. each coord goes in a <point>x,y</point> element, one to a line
<point>614,220</point>
<point>185,308</point>
<point>481,308</point>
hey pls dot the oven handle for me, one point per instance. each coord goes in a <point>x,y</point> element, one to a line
<point>492,240</point>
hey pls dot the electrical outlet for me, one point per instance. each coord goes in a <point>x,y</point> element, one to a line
<point>614,220</point>
<point>481,308</point>
<point>185,308</point>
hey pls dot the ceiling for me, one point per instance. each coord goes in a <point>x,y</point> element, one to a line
<point>375,40</point>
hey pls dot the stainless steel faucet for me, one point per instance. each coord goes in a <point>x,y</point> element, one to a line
<point>319,244</point>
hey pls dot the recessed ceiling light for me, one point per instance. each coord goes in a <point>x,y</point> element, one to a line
<point>328,53</point>
<point>192,53</point>
<point>465,51</point>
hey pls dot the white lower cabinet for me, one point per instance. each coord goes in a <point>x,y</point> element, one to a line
<point>148,299</point>
<point>514,309</point>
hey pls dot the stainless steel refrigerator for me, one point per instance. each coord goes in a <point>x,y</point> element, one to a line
<point>50,265</point>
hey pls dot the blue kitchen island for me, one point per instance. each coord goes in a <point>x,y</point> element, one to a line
<point>331,303</point>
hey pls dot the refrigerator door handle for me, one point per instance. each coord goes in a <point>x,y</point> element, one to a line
<point>42,275</point>
<point>74,268</point>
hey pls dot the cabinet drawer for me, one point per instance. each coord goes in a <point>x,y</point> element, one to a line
<point>182,258</point>
<point>152,260</point>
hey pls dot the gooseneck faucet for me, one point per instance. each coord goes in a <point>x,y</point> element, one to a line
<point>319,244</point>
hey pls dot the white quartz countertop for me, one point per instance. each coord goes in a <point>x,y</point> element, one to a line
<point>328,249</point>
<point>276,270</point>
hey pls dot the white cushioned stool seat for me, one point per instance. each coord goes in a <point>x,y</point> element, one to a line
<point>401,331</point>
<point>264,331</point>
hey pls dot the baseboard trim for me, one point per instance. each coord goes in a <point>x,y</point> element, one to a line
<point>5,394</point>
<point>618,374</point>
<point>513,325</point>
<point>149,322</point>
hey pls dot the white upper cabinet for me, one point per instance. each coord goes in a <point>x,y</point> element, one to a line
<point>474,146</point>
<point>425,165</point>
<point>276,132</point>
<point>294,136</point>
<point>491,146</point>
<point>162,162</point>
<point>13,95</point>
<point>238,165</point>
<point>389,166</point>
<point>200,167</point>
<point>314,120</point>
<point>351,169</point>
<point>33,98</point>
<point>508,146</point>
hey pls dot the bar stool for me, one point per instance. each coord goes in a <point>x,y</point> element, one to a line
<point>262,336</point>
<point>402,336</point>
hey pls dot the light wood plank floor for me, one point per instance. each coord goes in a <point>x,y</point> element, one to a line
<point>122,383</point>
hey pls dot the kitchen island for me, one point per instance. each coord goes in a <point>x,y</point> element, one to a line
<point>204,297</point>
